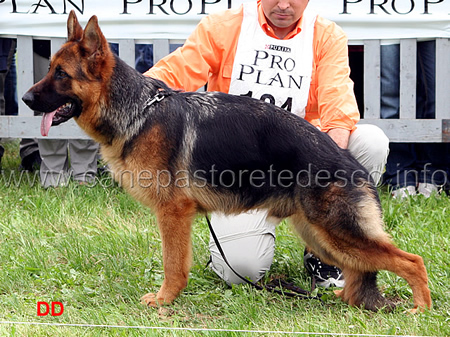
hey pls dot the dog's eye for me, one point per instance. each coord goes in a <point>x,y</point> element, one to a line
<point>61,74</point>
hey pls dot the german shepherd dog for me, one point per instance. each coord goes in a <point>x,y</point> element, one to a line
<point>202,152</point>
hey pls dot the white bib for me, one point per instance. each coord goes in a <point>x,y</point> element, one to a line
<point>276,71</point>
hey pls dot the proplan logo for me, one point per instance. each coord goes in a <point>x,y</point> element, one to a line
<point>278,48</point>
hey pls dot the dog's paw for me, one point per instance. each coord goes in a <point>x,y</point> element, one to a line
<point>338,293</point>
<point>416,310</point>
<point>150,300</point>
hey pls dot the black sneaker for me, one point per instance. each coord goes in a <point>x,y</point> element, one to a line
<point>322,274</point>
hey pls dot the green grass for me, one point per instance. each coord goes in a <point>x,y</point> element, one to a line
<point>98,251</point>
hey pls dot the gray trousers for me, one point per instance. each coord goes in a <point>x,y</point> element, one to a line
<point>56,169</point>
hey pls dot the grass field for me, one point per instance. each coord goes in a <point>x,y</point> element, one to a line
<point>97,252</point>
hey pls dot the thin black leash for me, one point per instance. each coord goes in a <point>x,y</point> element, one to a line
<point>295,291</point>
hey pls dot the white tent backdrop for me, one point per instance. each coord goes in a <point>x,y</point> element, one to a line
<point>175,19</point>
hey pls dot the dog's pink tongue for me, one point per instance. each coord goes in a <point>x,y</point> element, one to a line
<point>46,123</point>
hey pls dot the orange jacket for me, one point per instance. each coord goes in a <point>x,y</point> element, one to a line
<point>208,54</point>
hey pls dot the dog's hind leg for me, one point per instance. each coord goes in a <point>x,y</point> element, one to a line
<point>174,221</point>
<point>351,236</point>
<point>411,268</point>
<point>360,287</point>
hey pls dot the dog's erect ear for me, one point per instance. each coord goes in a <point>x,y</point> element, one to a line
<point>74,30</point>
<point>93,40</point>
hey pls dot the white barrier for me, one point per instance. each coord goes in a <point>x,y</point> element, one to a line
<point>405,129</point>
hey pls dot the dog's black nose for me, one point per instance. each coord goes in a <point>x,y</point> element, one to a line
<point>28,98</point>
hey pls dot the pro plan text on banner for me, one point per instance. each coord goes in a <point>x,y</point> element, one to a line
<point>149,19</point>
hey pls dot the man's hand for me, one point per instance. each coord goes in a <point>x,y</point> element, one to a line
<point>340,137</point>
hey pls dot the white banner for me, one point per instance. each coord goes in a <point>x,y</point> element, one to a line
<point>175,19</point>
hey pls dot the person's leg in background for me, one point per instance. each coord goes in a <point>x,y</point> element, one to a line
<point>55,162</point>
<point>432,158</point>
<point>400,165</point>
<point>83,159</point>
<point>11,104</point>
<point>5,49</point>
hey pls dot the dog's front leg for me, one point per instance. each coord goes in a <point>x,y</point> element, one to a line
<point>174,221</point>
